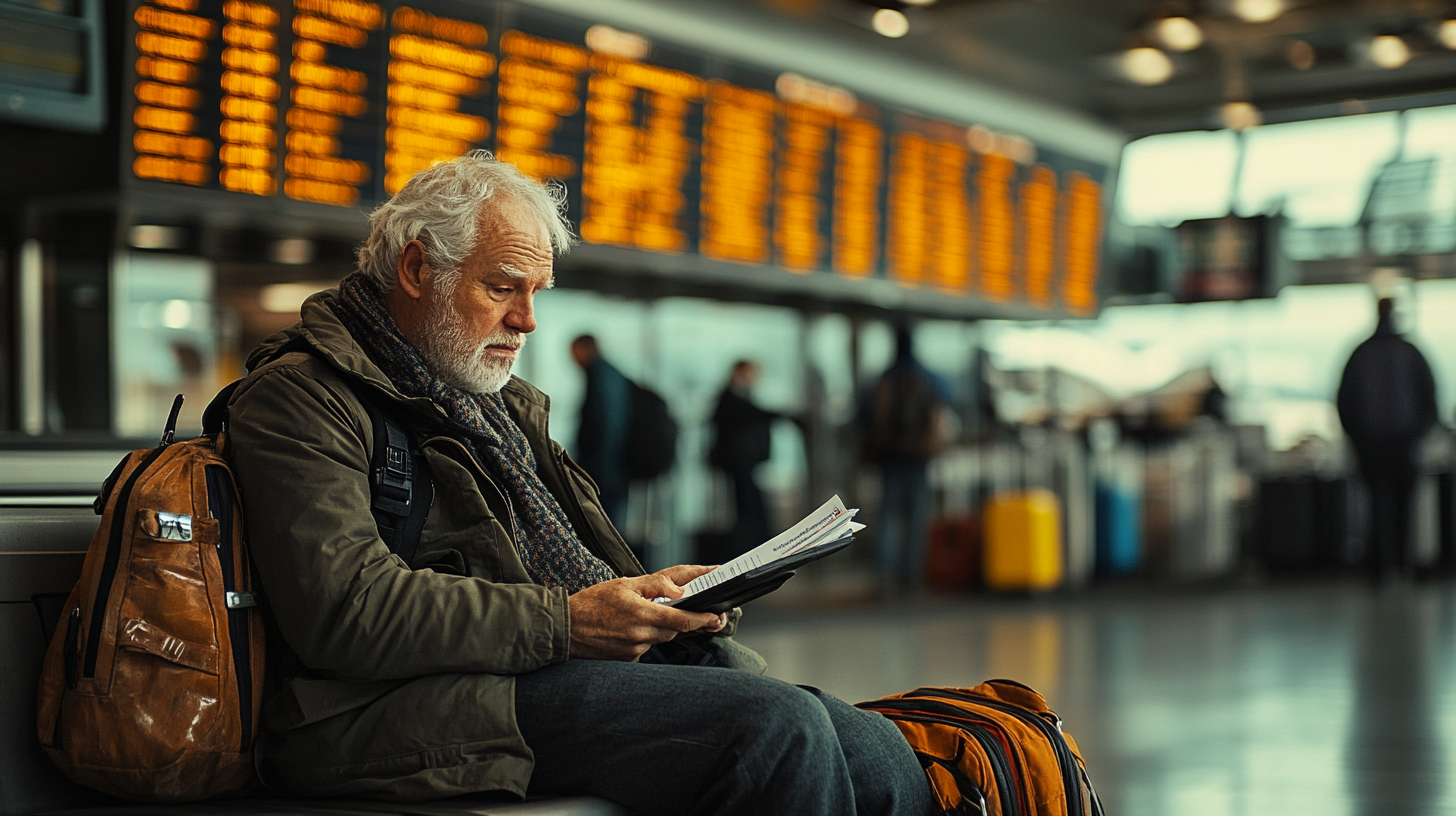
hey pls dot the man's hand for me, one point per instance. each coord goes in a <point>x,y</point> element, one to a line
<point>617,620</point>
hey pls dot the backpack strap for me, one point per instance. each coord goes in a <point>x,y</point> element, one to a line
<point>215,415</point>
<point>400,487</point>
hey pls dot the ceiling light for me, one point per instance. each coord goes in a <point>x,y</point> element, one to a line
<point>890,23</point>
<point>1389,51</point>
<point>1240,116</point>
<point>1179,33</point>
<point>1447,34</point>
<point>155,236</point>
<point>1301,55</point>
<point>177,314</point>
<point>292,251</point>
<point>1146,66</point>
<point>921,3</point>
<point>288,298</point>
<point>608,40</point>
<point>1258,11</point>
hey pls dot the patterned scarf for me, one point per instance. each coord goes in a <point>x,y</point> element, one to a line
<point>544,539</point>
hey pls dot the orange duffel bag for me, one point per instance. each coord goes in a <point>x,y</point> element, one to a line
<point>993,750</point>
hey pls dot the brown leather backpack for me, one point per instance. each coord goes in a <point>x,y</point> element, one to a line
<point>993,750</point>
<point>153,681</point>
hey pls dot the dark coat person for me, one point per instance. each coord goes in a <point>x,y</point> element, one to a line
<point>517,652</point>
<point>904,420</point>
<point>601,434</point>
<point>741,442</point>
<point>1387,403</point>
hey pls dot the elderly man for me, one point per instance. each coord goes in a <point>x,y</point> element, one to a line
<point>520,652</point>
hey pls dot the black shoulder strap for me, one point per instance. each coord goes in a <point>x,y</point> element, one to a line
<point>400,487</point>
<point>215,415</point>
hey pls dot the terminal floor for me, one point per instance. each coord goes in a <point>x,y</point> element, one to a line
<point>1332,699</point>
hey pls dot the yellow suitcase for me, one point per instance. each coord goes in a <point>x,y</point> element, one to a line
<point>1022,541</point>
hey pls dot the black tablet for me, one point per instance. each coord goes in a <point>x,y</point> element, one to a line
<point>757,582</point>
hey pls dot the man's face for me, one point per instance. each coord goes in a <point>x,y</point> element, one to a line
<point>745,377</point>
<point>473,331</point>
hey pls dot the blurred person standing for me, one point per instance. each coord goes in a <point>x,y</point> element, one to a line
<point>742,441</point>
<point>1387,402</point>
<point>904,421</point>
<point>606,418</point>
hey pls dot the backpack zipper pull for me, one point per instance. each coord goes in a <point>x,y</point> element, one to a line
<point>171,430</point>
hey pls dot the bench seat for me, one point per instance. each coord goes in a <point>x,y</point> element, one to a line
<point>463,806</point>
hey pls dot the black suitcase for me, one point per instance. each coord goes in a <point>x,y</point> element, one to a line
<point>1339,522</point>
<point>1286,516</point>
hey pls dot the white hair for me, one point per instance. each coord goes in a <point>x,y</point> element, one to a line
<point>441,207</point>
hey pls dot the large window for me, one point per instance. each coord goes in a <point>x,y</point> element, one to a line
<point>1170,178</point>
<point>1317,173</point>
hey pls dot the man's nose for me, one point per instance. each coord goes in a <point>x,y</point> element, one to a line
<point>522,316</point>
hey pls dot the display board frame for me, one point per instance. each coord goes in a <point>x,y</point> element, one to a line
<point>678,252</point>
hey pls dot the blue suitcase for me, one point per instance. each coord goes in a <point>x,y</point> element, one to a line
<point>1119,531</point>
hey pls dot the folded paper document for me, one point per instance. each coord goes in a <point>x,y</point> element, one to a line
<point>766,567</point>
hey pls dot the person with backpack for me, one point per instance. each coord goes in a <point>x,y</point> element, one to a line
<point>904,420</point>
<point>626,432</point>
<point>606,419</point>
<point>517,649</point>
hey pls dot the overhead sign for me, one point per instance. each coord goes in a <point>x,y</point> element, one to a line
<point>662,149</point>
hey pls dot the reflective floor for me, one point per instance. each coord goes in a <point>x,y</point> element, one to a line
<point>1324,699</point>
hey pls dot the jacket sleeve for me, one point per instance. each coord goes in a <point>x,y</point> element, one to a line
<point>1427,411</point>
<point>1347,396</point>
<point>345,604</point>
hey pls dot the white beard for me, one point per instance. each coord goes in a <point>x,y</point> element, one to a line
<point>460,360</point>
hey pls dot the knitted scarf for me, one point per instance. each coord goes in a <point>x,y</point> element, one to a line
<point>548,547</point>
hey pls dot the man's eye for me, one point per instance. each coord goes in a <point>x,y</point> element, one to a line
<point>503,290</point>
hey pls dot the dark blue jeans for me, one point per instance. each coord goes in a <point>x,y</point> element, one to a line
<point>691,740</point>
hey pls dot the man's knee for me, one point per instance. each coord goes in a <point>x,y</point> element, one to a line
<point>784,714</point>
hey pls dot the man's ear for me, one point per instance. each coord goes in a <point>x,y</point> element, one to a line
<point>412,270</point>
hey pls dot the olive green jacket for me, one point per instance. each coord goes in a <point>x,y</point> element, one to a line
<point>380,656</point>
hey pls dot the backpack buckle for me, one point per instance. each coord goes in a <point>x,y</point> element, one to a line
<point>174,526</point>
<point>395,478</point>
<point>241,600</point>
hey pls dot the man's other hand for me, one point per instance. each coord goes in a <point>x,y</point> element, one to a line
<point>617,620</point>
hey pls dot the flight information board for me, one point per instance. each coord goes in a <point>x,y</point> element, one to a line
<point>663,149</point>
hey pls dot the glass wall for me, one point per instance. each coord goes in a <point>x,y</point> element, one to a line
<point>1279,359</point>
<point>1393,173</point>
<point>165,341</point>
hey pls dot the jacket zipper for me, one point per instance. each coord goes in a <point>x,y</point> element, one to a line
<point>510,508</point>
<point>1006,787</point>
<point>109,565</point>
<point>220,501</point>
<point>1066,762</point>
<point>580,519</point>
<point>600,549</point>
